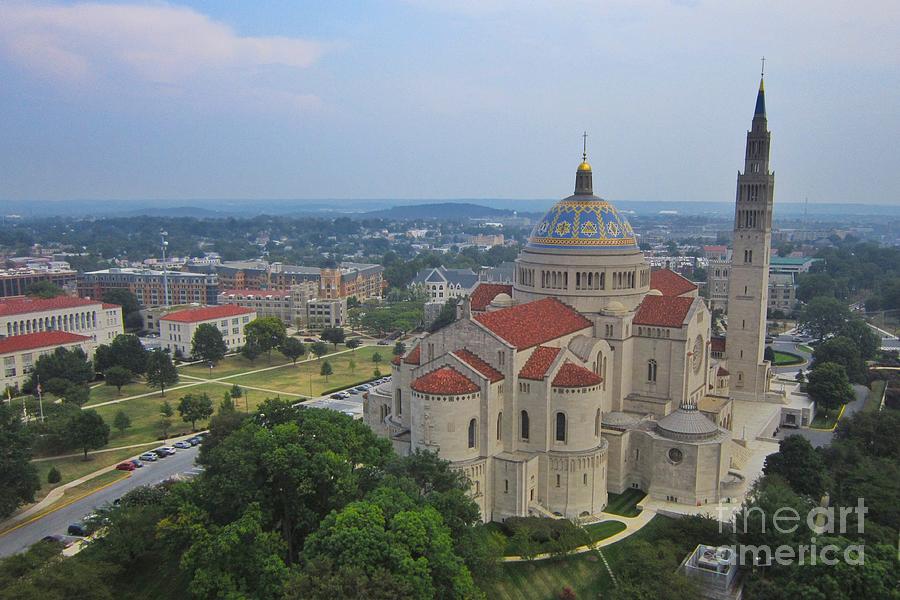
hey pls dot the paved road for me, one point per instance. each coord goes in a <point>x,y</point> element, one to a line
<point>56,522</point>
<point>823,438</point>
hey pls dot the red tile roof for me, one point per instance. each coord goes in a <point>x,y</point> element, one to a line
<point>722,372</point>
<point>415,356</point>
<point>21,305</point>
<point>444,381</point>
<point>474,361</point>
<point>572,375</point>
<point>670,283</point>
<point>663,311</point>
<point>486,292</point>
<point>534,323</point>
<point>539,362</point>
<point>259,293</point>
<point>396,360</point>
<point>717,344</point>
<point>718,249</point>
<point>42,339</point>
<point>206,313</point>
<point>108,306</point>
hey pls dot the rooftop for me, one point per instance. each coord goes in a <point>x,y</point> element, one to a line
<point>486,292</point>
<point>663,311</point>
<point>444,381</point>
<point>256,293</point>
<point>539,362</point>
<point>42,339</point>
<point>206,313</point>
<point>572,375</point>
<point>534,323</point>
<point>479,365</point>
<point>19,305</point>
<point>670,283</point>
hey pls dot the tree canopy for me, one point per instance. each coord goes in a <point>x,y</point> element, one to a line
<point>208,343</point>
<point>161,372</point>
<point>18,477</point>
<point>266,333</point>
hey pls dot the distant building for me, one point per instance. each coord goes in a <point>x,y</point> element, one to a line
<point>505,272</point>
<point>98,321</point>
<point>177,328</point>
<point>487,240</point>
<point>783,278</point>
<point>441,283</point>
<point>323,313</point>
<point>296,307</point>
<point>16,281</point>
<point>715,571</point>
<point>718,264</point>
<point>18,354</point>
<point>149,285</point>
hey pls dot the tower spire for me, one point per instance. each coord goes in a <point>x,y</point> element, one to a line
<point>583,179</point>
<point>761,94</point>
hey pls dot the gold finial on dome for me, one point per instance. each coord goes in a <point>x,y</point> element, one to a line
<point>585,165</point>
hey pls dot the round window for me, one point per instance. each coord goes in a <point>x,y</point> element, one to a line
<point>675,456</point>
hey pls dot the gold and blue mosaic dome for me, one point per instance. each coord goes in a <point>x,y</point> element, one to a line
<point>583,221</point>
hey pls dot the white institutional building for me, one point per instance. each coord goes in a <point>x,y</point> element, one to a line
<point>590,374</point>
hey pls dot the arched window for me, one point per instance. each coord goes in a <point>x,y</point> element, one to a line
<point>651,370</point>
<point>525,424</point>
<point>473,427</point>
<point>597,424</point>
<point>560,427</point>
<point>500,425</point>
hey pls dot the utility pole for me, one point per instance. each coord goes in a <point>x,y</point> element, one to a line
<point>164,242</point>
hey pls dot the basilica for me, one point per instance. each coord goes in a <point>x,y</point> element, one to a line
<point>591,374</point>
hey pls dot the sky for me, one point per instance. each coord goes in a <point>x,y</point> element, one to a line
<point>444,99</point>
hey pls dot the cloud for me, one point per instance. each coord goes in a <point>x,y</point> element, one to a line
<point>152,46</point>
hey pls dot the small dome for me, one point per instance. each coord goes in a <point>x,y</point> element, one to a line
<point>654,293</point>
<point>584,166</point>
<point>502,299</point>
<point>687,422</point>
<point>614,309</point>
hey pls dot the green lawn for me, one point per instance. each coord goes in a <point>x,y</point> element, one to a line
<point>873,400</point>
<point>105,393</point>
<point>604,529</point>
<point>786,359</point>
<point>232,365</point>
<point>821,422</point>
<point>296,379</point>
<point>625,504</point>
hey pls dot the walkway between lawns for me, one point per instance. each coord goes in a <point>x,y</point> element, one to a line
<point>219,380</point>
<point>632,525</point>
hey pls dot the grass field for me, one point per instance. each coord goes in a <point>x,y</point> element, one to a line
<point>821,422</point>
<point>625,504</point>
<point>604,529</point>
<point>873,400</point>
<point>805,348</point>
<point>296,379</point>
<point>786,359</point>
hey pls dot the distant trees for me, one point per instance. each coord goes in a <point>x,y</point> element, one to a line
<point>353,343</point>
<point>130,306</point>
<point>125,351</point>
<point>812,285</point>
<point>842,351</point>
<point>320,349</point>
<point>76,394</point>
<point>799,464</point>
<point>69,364</point>
<point>335,335</point>
<point>195,407</point>
<point>267,333</point>
<point>161,372</point>
<point>292,348</point>
<point>446,316</point>
<point>326,369</point>
<point>121,421</point>
<point>399,348</point>
<point>824,316</point>
<point>250,350</point>
<point>44,289</point>
<point>208,343</point>
<point>18,477</point>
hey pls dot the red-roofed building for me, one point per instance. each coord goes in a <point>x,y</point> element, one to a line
<point>670,283</point>
<point>177,328</point>
<point>485,293</point>
<point>663,311</point>
<point>18,354</point>
<point>539,362</point>
<point>445,381</point>
<point>480,366</point>
<point>97,320</point>
<point>571,375</point>
<point>534,323</point>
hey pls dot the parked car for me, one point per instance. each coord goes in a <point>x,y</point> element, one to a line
<point>126,466</point>
<point>137,463</point>
<point>310,340</point>
<point>343,395</point>
<point>169,449</point>
<point>148,457</point>
<point>195,440</point>
<point>384,343</point>
<point>161,452</point>
<point>77,529</point>
<point>335,396</point>
<point>183,444</point>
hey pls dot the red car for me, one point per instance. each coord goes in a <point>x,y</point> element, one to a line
<point>126,466</point>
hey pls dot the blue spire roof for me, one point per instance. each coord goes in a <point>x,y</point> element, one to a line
<point>760,101</point>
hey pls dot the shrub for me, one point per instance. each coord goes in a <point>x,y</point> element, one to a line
<point>53,475</point>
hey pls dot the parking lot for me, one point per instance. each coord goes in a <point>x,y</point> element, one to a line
<point>348,401</point>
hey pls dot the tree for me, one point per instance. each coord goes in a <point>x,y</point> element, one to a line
<point>863,336</point>
<point>446,316</point>
<point>800,377</point>
<point>335,335</point>
<point>326,369</point>
<point>63,363</point>
<point>250,350</point>
<point>823,316</point>
<point>121,421</point>
<point>208,343</point>
<point>399,348</point>
<point>227,404</point>
<point>117,377</point>
<point>161,372</point>
<point>769,354</point>
<point>353,343</point>
<point>293,349</point>
<point>125,351</point>
<point>130,306</point>
<point>352,365</point>
<point>88,431</point>
<point>164,424</point>
<point>376,372</point>
<point>54,476</point>
<point>320,349</point>
<point>812,285</point>
<point>842,351</point>
<point>18,478</point>
<point>267,333</point>
<point>195,407</point>
<point>799,464</point>
<point>76,394</point>
<point>829,386</point>
<point>376,358</point>
<point>44,289</point>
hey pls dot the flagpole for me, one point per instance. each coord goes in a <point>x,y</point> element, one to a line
<point>40,398</point>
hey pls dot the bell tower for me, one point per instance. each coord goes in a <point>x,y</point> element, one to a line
<point>749,279</point>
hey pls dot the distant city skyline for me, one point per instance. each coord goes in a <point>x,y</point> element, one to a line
<point>444,99</point>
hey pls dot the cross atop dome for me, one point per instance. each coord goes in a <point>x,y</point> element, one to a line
<point>583,179</point>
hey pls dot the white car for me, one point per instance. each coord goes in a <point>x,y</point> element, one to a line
<point>182,444</point>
